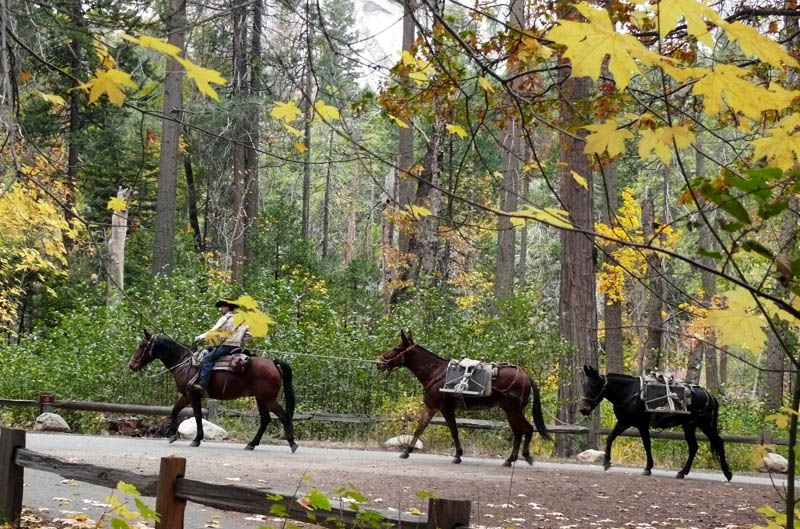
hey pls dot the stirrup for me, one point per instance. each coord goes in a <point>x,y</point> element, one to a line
<point>199,387</point>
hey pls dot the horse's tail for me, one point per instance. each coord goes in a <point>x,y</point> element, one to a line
<point>288,388</point>
<point>538,418</point>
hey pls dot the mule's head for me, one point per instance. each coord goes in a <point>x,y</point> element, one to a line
<point>593,391</point>
<point>144,352</point>
<point>396,356</point>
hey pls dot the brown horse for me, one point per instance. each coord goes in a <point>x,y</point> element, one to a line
<point>262,380</point>
<point>511,390</point>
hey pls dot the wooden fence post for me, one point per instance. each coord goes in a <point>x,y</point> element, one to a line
<point>448,514</point>
<point>169,507</point>
<point>213,410</point>
<point>11,476</point>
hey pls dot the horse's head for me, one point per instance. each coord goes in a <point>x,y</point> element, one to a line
<point>396,356</point>
<point>144,352</point>
<point>594,389</point>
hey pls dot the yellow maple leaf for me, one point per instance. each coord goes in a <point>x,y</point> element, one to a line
<point>660,141</point>
<point>246,302</point>
<point>485,84</point>
<point>400,122</point>
<point>456,129</point>
<point>110,82</point>
<point>299,147</point>
<point>286,112</point>
<point>779,144</point>
<point>419,78</point>
<point>326,112</point>
<point>117,204</point>
<point>580,180</point>
<point>554,217</point>
<point>292,130</point>
<point>154,43</point>
<point>758,453</point>
<point>670,11</point>
<point>53,99</point>
<point>740,324</point>
<point>754,43</point>
<point>217,337</point>
<point>202,77</point>
<point>408,59</point>
<point>257,321</point>
<point>781,420</point>
<point>106,60</point>
<point>24,77</point>
<point>606,137</point>
<point>417,212</point>
<point>588,44</point>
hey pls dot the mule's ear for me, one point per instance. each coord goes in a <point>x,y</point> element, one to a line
<point>403,337</point>
<point>147,334</point>
<point>409,338</point>
<point>588,370</point>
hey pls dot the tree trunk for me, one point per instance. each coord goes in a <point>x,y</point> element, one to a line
<point>522,267</point>
<point>251,198</point>
<point>240,135</point>
<point>170,132</point>
<point>577,307</point>
<point>424,244</point>
<point>191,198</point>
<point>327,199</point>
<point>116,252</point>
<point>612,309</point>
<point>73,143</point>
<point>309,114</point>
<point>510,162</point>
<point>350,222</point>
<point>651,349</point>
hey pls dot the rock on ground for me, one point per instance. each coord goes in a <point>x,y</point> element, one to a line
<point>590,456</point>
<point>211,432</point>
<point>51,422</point>
<point>402,441</point>
<point>774,463</point>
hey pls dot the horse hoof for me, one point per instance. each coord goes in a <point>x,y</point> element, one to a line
<point>194,443</point>
<point>506,463</point>
<point>728,475</point>
<point>529,460</point>
<point>249,447</point>
<point>172,438</point>
<point>293,446</point>
<point>456,460</point>
<point>646,472</point>
<point>404,455</point>
<point>606,466</point>
<point>680,475</point>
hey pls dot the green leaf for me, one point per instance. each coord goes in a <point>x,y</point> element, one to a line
<point>146,512</point>
<point>731,227</point>
<point>424,494</point>
<point>374,519</point>
<point>709,253</point>
<point>127,488</point>
<point>757,247</point>
<point>274,497</point>
<point>765,173</point>
<point>796,452</point>
<point>119,523</point>
<point>755,185</point>
<point>771,209</point>
<point>728,203</point>
<point>279,510</point>
<point>319,500</point>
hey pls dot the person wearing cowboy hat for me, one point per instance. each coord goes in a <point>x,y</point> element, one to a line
<point>235,335</point>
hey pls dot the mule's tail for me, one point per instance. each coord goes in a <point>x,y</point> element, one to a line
<point>288,388</point>
<point>538,418</point>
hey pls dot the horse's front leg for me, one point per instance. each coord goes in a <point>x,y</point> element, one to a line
<point>197,407</point>
<point>450,418</point>
<point>644,432</point>
<point>427,415</point>
<point>618,429</point>
<point>172,430</point>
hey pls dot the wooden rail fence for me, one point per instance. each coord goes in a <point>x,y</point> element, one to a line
<point>213,411</point>
<point>172,492</point>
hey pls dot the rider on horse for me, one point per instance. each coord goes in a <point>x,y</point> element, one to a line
<point>234,335</point>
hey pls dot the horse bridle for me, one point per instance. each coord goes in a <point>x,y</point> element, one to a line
<point>599,396</point>
<point>402,355</point>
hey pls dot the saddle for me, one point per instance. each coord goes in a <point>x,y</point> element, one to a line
<point>236,362</point>
<point>661,394</point>
<point>469,378</point>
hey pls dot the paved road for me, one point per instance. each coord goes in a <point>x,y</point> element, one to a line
<point>270,466</point>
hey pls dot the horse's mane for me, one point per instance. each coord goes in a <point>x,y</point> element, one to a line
<point>169,348</point>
